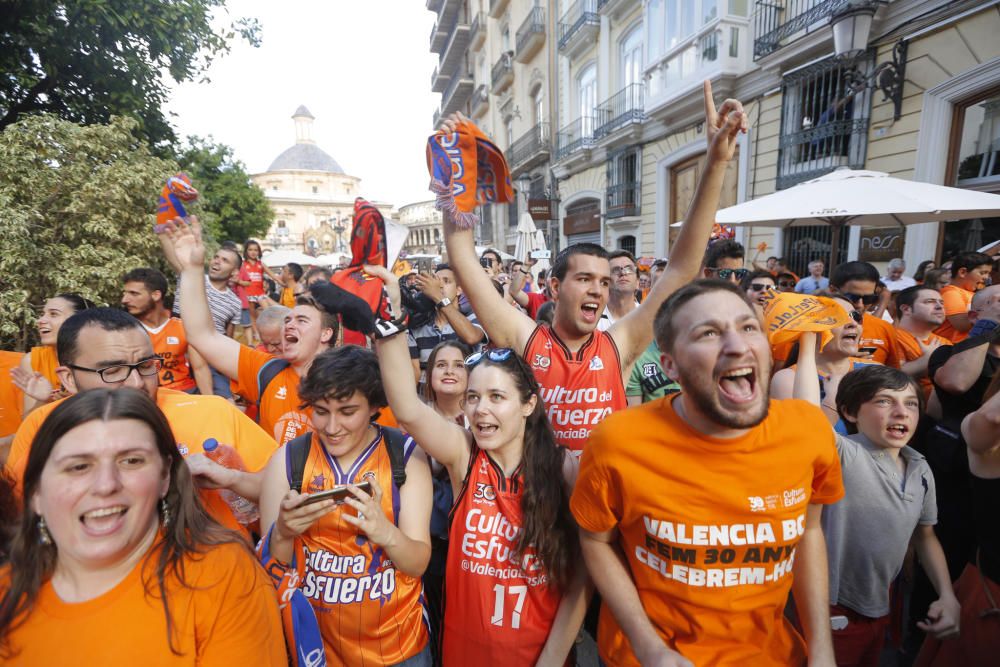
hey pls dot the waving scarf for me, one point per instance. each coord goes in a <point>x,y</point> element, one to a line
<point>368,246</point>
<point>466,169</point>
<point>177,190</point>
<point>787,315</point>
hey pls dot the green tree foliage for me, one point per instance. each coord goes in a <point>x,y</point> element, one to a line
<point>230,206</point>
<point>77,206</point>
<point>87,60</point>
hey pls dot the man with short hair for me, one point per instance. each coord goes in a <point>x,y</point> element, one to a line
<point>856,282</point>
<point>448,323</point>
<point>920,310</point>
<point>647,381</point>
<point>270,327</point>
<point>108,348</point>
<point>582,371</point>
<point>815,281</point>
<point>696,525</point>
<point>894,279</point>
<point>624,283</point>
<point>317,274</point>
<point>969,271</point>
<point>183,368</point>
<point>724,260</point>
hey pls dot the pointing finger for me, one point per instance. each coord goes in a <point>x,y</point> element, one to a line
<point>710,114</point>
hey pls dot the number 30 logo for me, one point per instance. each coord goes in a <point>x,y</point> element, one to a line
<point>485,491</point>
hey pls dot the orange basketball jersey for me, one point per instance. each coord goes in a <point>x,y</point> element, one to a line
<point>579,389</point>
<point>368,612</point>
<point>496,611</point>
<point>170,343</point>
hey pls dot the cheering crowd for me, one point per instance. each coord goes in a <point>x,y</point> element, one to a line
<point>707,464</point>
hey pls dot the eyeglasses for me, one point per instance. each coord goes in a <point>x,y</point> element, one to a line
<point>760,287</point>
<point>726,274</point>
<point>619,271</point>
<point>120,372</point>
<point>867,299</point>
<point>857,317</point>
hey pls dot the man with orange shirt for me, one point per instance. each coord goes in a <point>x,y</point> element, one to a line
<point>696,526</point>
<point>969,271</point>
<point>105,347</point>
<point>10,400</point>
<point>183,368</point>
<point>856,282</point>
<point>920,311</point>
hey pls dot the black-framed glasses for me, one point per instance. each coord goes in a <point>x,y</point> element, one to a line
<point>120,372</point>
<point>622,271</point>
<point>857,317</point>
<point>866,299</point>
<point>726,274</point>
<point>760,287</point>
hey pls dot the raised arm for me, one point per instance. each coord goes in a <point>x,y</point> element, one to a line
<point>220,351</point>
<point>515,288</point>
<point>634,332</point>
<point>811,589</point>
<point>981,429</point>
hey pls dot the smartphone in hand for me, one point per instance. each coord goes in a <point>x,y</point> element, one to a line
<point>338,494</point>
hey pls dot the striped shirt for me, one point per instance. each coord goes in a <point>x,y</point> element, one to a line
<point>424,339</point>
<point>224,305</point>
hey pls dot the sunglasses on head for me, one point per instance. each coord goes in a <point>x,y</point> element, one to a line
<point>726,274</point>
<point>498,355</point>
<point>867,299</point>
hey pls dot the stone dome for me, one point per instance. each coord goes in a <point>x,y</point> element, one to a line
<point>305,155</point>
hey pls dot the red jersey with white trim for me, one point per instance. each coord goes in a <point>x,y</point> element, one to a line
<point>170,343</point>
<point>579,389</point>
<point>496,612</point>
<point>369,613</point>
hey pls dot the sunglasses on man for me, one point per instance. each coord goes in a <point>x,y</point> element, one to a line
<point>726,274</point>
<point>867,299</point>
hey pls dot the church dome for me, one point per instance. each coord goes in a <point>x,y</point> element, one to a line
<point>305,155</point>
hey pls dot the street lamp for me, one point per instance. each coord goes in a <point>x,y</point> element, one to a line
<point>851,22</point>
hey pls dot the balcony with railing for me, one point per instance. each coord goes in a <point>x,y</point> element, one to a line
<point>622,199</point>
<point>617,8</point>
<point>578,27</point>
<point>503,72</point>
<point>477,31</point>
<point>480,100</point>
<point>448,11</point>
<point>577,136</point>
<point>439,81</point>
<point>531,35</point>
<point>438,39</point>
<point>530,149</point>
<point>433,5</point>
<point>454,52</point>
<point>457,93</point>
<point>621,109</point>
<point>497,7</point>
<point>778,23</point>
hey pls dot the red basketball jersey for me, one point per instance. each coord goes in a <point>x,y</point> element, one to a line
<point>579,389</point>
<point>497,612</point>
<point>170,343</point>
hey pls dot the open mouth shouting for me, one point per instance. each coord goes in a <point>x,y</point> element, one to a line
<point>103,521</point>
<point>590,311</point>
<point>485,429</point>
<point>898,432</point>
<point>738,385</point>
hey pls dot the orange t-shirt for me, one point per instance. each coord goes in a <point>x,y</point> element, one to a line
<point>193,419</point>
<point>956,302</point>
<point>877,333</point>
<point>369,612</point>
<point>170,343</point>
<point>708,526</point>
<point>11,398</point>
<point>911,350</point>
<point>226,615</point>
<point>280,414</point>
<point>44,361</point>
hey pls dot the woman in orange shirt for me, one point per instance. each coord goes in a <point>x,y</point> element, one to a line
<point>514,592</point>
<point>36,376</point>
<point>115,561</point>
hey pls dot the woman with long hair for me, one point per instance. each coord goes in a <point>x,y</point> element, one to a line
<point>36,376</point>
<point>447,379</point>
<point>515,583</point>
<point>251,279</point>
<point>115,561</point>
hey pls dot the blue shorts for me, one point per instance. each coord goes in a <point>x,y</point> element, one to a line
<point>245,317</point>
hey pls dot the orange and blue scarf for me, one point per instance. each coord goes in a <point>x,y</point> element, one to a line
<point>177,190</point>
<point>466,169</point>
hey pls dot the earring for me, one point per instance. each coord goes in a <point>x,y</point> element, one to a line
<point>43,532</point>
<point>164,512</point>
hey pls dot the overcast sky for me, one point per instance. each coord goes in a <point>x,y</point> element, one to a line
<point>363,69</point>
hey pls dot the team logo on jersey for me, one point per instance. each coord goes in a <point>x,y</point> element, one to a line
<point>173,340</point>
<point>317,483</point>
<point>282,392</point>
<point>649,370</point>
<point>541,361</point>
<point>756,504</point>
<point>183,449</point>
<point>596,364</point>
<point>484,492</point>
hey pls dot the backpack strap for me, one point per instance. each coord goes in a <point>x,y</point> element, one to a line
<point>399,446</point>
<point>267,372</point>
<point>296,455</point>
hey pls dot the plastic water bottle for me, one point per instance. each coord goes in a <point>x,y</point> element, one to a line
<point>245,511</point>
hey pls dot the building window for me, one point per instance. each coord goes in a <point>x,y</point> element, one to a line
<point>536,103</point>
<point>509,131</point>
<point>627,243</point>
<point>824,119</point>
<point>505,38</point>
<point>587,99</point>
<point>315,190</point>
<point>512,215</point>
<point>631,57</point>
<point>623,183</point>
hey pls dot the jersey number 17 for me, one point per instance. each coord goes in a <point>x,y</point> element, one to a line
<point>498,604</point>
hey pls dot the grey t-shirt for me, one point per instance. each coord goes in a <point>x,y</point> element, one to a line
<point>869,530</point>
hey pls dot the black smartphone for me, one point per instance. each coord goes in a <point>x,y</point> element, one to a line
<point>867,350</point>
<point>338,494</point>
<point>485,262</point>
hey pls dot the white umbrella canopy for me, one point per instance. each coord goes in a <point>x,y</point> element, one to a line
<point>869,198</point>
<point>330,259</point>
<point>282,257</point>
<point>525,237</point>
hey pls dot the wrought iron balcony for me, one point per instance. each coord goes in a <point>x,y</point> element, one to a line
<point>454,52</point>
<point>816,151</point>
<point>480,100</point>
<point>438,81</point>
<point>433,5</point>
<point>616,7</point>
<point>578,27</point>
<point>457,93</point>
<point>619,110</point>
<point>503,72</point>
<point>477,31</point>
<point>777,23</point>
<point>578,135</point>
<point>438,39</point>
<point>530,148</point>
<point>623,199</point>
<point>497,7</point>
<point>531,35</point>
